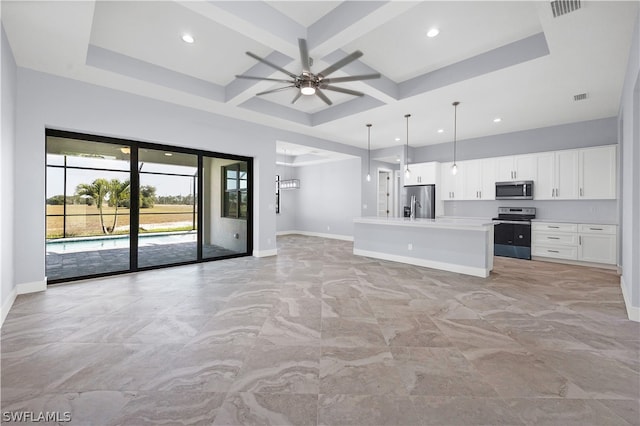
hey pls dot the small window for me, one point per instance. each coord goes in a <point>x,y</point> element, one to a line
<point>235,200</point>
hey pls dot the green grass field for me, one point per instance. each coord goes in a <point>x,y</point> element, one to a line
<point>160,218</point>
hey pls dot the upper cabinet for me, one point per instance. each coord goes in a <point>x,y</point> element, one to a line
<point>598,172</point>
<point>452,185</point>
<point>572,174</point>
<point>518,167</point>
<point>557,175</point>
<point>423,174</point>
<point>479,179</point>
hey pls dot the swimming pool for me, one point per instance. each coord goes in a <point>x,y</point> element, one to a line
<point>75,245</point>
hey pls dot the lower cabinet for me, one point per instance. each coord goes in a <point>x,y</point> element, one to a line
<point>573,241</point>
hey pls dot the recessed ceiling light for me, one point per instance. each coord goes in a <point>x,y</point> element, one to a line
<point>433,32</point>
<point>398,160</point>
<point>188,38</point>
<point>168,154</point>
<point>497,120</point>
<point>440,130</point>
<point>397,139</point>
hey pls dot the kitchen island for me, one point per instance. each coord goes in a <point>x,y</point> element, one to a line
<point>462,245</point>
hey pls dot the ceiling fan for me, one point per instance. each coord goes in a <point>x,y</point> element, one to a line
<point>309,83</point>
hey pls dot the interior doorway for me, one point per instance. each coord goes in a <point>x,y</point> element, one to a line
<point>385,194</point>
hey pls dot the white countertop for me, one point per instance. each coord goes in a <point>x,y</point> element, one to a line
<point>590,222</point>
<point>475,224</point>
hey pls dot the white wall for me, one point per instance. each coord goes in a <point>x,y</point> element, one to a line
<point>45,101</point>
<point>629,124</point>
<point>9,84</point>
<point>328,200</point>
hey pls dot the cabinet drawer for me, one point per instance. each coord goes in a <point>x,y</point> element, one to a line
<point>558,252</point>
<point>554,238</point>
<point>554,227</point>
<point>584,228</point>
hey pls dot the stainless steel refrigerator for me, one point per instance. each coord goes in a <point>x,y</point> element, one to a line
<point>423,200</point>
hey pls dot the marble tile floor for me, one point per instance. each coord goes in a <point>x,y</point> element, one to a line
<point>317,336</point>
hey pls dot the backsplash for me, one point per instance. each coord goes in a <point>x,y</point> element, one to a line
<point>581,211</point>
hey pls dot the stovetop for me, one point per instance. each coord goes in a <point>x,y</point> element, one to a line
<point>523,214</point>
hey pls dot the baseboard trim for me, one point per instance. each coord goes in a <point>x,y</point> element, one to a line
<point>633,313</point>
<point>318,234</point>
<point>451,267</point>
<point>6,306</point>
<point>576,263</point>
<point>32,287</point>
<point>265,253</point>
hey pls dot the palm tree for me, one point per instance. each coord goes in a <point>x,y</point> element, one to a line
<point>97,190</point>
<point>118,192</point>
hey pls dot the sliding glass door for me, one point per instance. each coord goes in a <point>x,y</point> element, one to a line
<point>118,206</point>
<point>168,207</point>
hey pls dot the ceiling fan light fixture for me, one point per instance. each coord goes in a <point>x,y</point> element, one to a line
<point>308,88</point>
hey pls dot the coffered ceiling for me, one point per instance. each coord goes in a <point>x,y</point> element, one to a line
<point>511,60</point>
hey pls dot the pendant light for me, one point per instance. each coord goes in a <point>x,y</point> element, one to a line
<point>290,183</point>
<point>454,168</point>
<point>407,172</point>
<point>369,152</point>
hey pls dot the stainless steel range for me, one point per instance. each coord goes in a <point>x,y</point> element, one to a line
<point>512,232</point>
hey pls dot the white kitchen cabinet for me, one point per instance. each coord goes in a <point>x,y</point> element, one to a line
<point>576,242</point>
<point>479,179</point>
<point>557,175</point>
<point>597,243</point>
<point>519,167</point>
<point>452,185</point>
<point>423,173</point>
<point>598,173</point>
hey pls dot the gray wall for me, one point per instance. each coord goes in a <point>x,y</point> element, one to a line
<point>286,220</point>
<point>9,84</point>
<point>328,199</point>
<point>566,136</point>
<point>629,124</point>
<point>45,101</point>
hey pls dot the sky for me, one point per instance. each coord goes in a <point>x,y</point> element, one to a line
<point>165,185</point>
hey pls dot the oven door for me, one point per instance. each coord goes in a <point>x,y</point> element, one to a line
<point>512,239</point>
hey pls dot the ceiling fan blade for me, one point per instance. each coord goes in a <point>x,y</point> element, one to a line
<point>272,65</point>
<point>341,90</point>
<point>341,63</point>
<point>251,77</point>
<point>351,78</point>
<point>296,97</point>
<point>275,90</point>
<point>304,55</point>
<point>323,97</point>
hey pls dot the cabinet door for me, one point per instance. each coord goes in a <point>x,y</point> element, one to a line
<point>545,185</point>
<point>488,188</point>
<point>458,183</point>
<point>504,169</point>
<point>566,172</point>
<point>598,172</point>
<point>472,176</point>
<point>597,248</point>
<point>525,167</point>
<point>446,182</point>
<point>413,176</point>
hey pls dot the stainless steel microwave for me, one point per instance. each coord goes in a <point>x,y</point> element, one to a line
<point>519,190</point>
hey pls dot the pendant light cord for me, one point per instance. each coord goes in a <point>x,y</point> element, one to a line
<point>369,149</point>
<point>455,128</point>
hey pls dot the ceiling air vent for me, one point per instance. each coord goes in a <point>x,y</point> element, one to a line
<point>580,97</point>
<point>562,7</point>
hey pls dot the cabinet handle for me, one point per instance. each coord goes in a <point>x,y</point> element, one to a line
<point>553,251</point>
<point>553,238</point>
<point>580,240</point>
<point>480,194</point>
<point>596,229</point>
<point>553,193</point>
<point>554,227</point>
<point>581,192</point>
